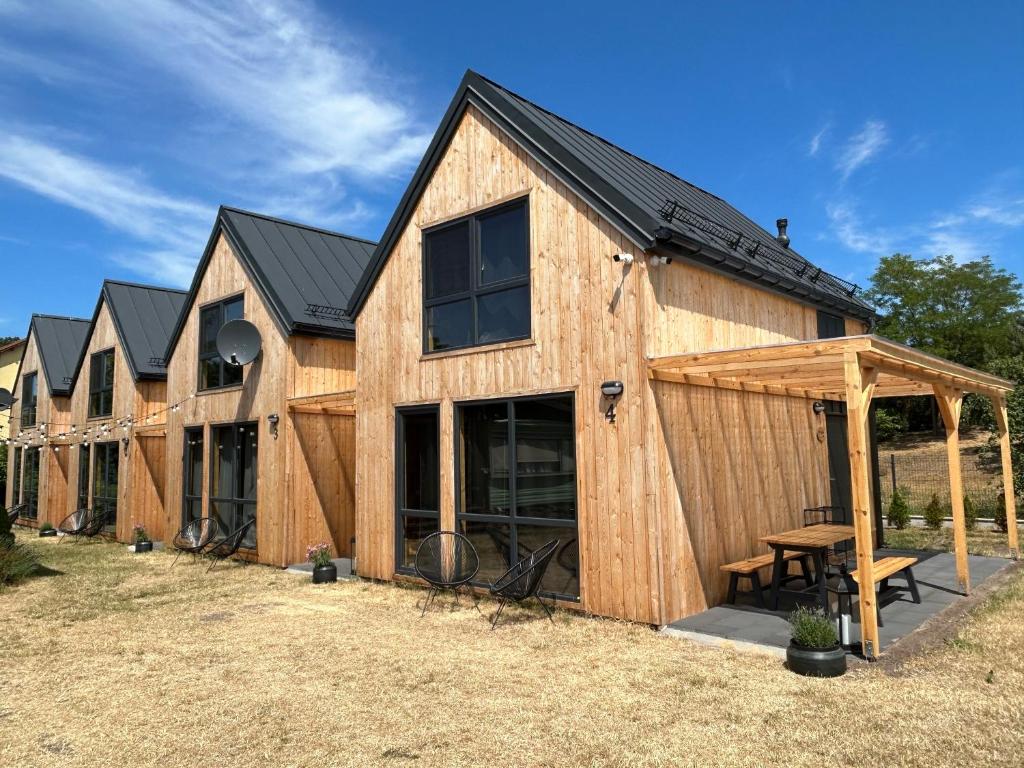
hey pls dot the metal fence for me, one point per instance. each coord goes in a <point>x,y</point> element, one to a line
<point>920,474</point>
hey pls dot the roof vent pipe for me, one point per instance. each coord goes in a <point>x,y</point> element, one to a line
<point>782,237</point>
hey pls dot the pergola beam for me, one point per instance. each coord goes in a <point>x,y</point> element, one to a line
<point>950,402</point>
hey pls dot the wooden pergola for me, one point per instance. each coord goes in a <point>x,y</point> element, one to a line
<point>855,369</point>
<point>332,404</point>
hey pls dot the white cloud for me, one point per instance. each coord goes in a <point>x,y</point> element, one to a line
<point>120,198</point>
<point>815,144</point>
<point>862,147</point>
<point>851,231</point>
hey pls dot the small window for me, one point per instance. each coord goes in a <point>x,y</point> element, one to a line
<point>476,279</point>
<point>83,476</point>
<point>193,492</point>
<point>214,371</point>
<point>830,326</point>
<point>16,477</point>
<point>30,399</point>
<point>101,384</point>
<point>31,484</point>
<point>419,482</point>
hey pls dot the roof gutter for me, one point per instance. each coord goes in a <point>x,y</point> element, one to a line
<point>674,243</point>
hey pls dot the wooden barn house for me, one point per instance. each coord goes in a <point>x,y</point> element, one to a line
<point>37,466</point>
<point>273,440</point>
<point>117,462</point>
<point>556,339</point>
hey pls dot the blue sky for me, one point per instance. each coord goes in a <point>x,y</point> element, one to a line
<point>874,127</point>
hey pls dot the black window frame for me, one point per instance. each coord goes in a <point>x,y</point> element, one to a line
<point>220,306</point>
<point>84,458</point>
<point>402,512</point>
<point>475,289</point>
<point>30,489</point>
<point>29,404</point>
<point>101,391</point>
<point>189,446</point>
<point>16,478</point>
<point>237,503</point>
<point>830,326</point>
<point>106,475</point>
<point>512,519</point>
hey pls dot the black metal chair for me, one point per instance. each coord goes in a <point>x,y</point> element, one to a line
<point>75,523</point>
<point>15,512</point>
<point>94,527</point>
<point>446,560</point>
<point>195,537</point>
<point>222,549</point>
<point>522,581</point>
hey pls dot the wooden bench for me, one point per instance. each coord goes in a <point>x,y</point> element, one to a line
<point>882,570</point>
<point>747,569</point>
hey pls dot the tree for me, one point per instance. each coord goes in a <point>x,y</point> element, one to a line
<point>934,514</point>
<point>899,511</point>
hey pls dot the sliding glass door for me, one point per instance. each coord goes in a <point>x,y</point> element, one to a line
<point>104,483</point>
<point>516,485</point>
<point>418,481</point>
<point>233,471</point>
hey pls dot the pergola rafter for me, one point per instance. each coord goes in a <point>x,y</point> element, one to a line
<point>857,369</point>
<point>331,404</point>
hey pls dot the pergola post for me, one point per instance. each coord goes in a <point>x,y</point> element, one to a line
<point>860,385</point>
<point>950,401</point>
<point>1003,424</point>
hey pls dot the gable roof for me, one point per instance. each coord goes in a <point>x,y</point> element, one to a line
<point>60,341</point>
<point>657,209</point>
<point>11,345</point>
<point>143,317</point>
<point>306,275</point>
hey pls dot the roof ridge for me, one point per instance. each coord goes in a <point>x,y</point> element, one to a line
<point>602,139</point>
<point>146,286</point>
<point>298,225</point>
<point>60,317</point>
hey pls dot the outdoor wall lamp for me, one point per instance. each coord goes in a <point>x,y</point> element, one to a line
<point>272,421</point>
<point>819,407</point>
<point>124,442</point>
<point>612,390</point>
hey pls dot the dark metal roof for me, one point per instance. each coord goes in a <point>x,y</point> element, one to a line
<point>60,341</point>
<point>143,318</point>
<point>306,275</point>
<point>633,194</point>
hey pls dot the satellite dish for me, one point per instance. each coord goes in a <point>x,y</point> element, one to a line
<point>5,399</point>
<point>238,342</point>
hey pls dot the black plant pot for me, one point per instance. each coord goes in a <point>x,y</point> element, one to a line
<point>143,546</point>
<point>323,574</point>
<point>46,533</point>
<point>816,662</point>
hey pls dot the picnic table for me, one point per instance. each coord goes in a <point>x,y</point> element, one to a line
<point>815,541</point>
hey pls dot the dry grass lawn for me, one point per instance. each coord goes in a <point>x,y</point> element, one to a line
<point>984,540</point>
<point>120,661</point>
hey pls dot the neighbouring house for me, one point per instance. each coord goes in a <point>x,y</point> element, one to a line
<point>271,441</point>
<point>10,358</point>
<point>534,348</point>
<point>117,459</point>
<point>37,467</point>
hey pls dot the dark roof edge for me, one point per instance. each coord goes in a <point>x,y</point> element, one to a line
<point>61,392</point>
<point>296,224</point>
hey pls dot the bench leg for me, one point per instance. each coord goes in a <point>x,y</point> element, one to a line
<point>731,597</point>
<point>777,569</point>
<point>755,585</point>
<point>805,568</point>
<point>912,584</point>
<point>878,608</point>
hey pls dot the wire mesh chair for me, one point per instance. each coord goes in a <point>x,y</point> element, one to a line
<point>95,524</point>
<point>15,512</point>
<point>446,560</point>
<point>75,523</point>
<point>224,548</point>
<point>522,581</point>
<point>195,537</point>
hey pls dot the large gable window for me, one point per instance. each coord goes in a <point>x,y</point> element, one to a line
<point>101,384</point>
<point>30,399</point>
<point>214,371</point>
<point>476,279</point>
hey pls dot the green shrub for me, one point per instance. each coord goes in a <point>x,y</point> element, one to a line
<point>889,424</point>
<point>16,563</point>
<point>970,514</point>
<point>812,628</point>
<point>47,526</point>
<point>899,511</point>
<point>6,534</point>
<point>934,514</point>
<point>999,513</point>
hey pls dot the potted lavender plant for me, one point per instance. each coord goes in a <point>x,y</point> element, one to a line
<point>324,570</point>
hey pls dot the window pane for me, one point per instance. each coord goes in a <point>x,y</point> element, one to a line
<point>233,310</point>
<point>504,315</point>
<point>222,463</point>
<point>449,325</point>
<point>209,324</point>
<point>562,577</point>
<point>108,370</point>
<point>247,462</point>
<point>447,261</point>
<point>504,252</point>
<point>484,484</point>
<point>493,543</point>
<point>413,530</point>
<point>247,513</point>
<point>83,477</point>
<point>420,461</point>
<point>224,513</point>
<point>232,374</point>
<point>194,463</point>
<point>209,373</point>
<point>16,482</point>
<point>545,459</point>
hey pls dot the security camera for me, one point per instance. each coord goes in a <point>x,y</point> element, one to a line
<point>625,258</point>
<point>658,261</point>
